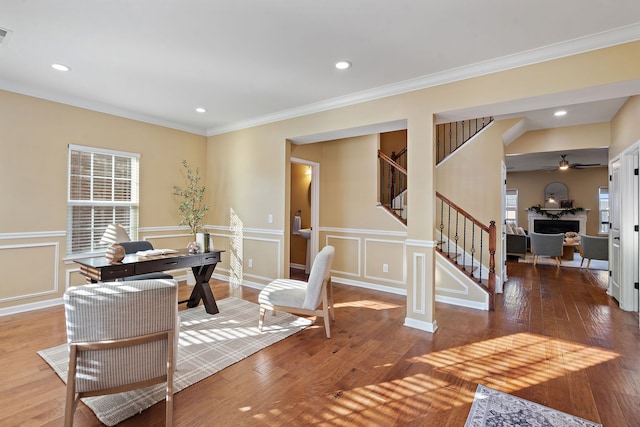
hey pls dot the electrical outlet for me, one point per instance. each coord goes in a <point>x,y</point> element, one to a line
<point>250,263</point>
<point>385,268</point>
<point>270,219</point>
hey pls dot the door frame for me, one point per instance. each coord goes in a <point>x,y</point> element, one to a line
<point>315,204</point>
<point>629,218</point>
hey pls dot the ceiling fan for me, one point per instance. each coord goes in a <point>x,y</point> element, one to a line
<point>564,164</point>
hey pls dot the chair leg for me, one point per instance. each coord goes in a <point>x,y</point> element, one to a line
<point>332,310</point>
<point>71,398</point>
<point>581,261</point>
<point>535,259</point>
<point>558,261</point>
<point>171,358</point>
<point>588,263</point>
<point>261,320</point>
<point>325,309</point>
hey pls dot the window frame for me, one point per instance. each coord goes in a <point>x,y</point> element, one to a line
<point>511,192</point>
<point>603,224</point>
<point>94,185</point>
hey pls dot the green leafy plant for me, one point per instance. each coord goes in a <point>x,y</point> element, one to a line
<point>192,207</point>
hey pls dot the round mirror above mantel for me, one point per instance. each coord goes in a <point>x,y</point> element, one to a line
<point>556,195</point>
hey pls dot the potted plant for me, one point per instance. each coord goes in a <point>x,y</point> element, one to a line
<point>192,207</point>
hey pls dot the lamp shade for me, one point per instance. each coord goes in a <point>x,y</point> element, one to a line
<point>115,233</point>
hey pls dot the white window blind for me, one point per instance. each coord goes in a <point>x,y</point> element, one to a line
<point>511,207</point>
<point>603,208</point>
<point>103,189</point>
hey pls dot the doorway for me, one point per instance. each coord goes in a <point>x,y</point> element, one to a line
<point>304,202</point>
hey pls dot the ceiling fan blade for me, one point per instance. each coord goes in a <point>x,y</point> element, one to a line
<point>585,165</point>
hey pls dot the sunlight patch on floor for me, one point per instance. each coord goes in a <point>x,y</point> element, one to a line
<point>506,364</point>
<point>365,303</point>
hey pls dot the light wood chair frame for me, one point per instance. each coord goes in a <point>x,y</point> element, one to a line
<point>76,348</point>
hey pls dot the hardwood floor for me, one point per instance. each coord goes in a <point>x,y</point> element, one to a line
<point>555,338</point>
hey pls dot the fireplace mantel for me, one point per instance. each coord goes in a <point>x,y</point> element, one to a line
<point>581,217</point>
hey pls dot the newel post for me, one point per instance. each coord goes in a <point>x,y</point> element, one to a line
<point>492,264</point>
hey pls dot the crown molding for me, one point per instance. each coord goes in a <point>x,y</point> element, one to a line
<point>555,51</point>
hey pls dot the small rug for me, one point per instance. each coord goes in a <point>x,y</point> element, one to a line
<point>493,408</point>
<point>596,264</point>
<point>208,344</point>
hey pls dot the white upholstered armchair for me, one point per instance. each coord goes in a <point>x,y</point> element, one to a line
<point>122,336</point>
<point>298,297</point>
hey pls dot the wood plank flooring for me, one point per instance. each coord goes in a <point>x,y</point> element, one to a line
<point>555,338</point>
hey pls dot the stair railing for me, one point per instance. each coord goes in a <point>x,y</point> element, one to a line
<point>451,136</point>
<point>468,244</point>
<point>393,183</point>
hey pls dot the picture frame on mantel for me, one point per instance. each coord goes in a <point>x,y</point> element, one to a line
<point>566,204</point>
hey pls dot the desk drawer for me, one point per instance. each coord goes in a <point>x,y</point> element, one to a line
<point>160,265</point>
<point>116,272</point>
<point>210,258</point>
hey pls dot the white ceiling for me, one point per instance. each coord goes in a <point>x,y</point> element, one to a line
<point>255,61</point>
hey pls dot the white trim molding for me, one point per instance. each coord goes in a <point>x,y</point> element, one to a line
<point>419,324</point>
<point>32,235</point>
<point>56,263</point>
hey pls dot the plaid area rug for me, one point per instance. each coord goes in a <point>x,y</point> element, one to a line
<point>208,344</point>
<point>493,408</point>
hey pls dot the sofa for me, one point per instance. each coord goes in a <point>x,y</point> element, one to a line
<point>517,241</point>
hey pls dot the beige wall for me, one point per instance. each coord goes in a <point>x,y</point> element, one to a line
<point>391,142</point>
<point>625,127</point>
<point>267,143</point>
<point>582,184</point>
<point>595,135</point>
<point>35,135</point>
<point>247,171</point>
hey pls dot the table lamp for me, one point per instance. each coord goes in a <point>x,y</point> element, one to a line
<point>112,235</point>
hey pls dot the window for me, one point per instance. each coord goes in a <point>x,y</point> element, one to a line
<point>511,207</point>
<point>103,189</point>
<point>603,208</point>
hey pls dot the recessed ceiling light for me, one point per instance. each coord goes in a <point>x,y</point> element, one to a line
<point>201,110</point>
<point>560,113</point>
<point>60,67</point>
<point>343,65</point>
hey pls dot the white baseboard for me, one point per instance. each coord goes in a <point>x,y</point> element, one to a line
<point>419,324</point>
<point>30,306</point>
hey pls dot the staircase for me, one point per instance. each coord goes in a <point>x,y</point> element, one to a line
<point>465,243</point>
<point>393,183</point>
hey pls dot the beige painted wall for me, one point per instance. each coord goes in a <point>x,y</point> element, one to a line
<point>582,184</point>
<point>625,127</point>
<point>247,170</point>
<point>266,143</point>
<point>596,135</point>
<point>35,135</point>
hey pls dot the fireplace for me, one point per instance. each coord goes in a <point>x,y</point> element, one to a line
<point>550,226</point>
<point>570,222</point>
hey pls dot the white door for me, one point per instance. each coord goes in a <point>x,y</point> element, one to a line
<point>503,234</point>
<point>614,233</point>
<point>635,196</point>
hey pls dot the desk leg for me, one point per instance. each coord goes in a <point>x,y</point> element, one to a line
<point>202,289</point>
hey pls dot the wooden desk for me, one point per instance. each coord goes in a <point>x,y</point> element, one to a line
<point>99,269</point>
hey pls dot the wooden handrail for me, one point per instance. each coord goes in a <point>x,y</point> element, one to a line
<point>391,162</point>
<point>464,213</point>
<point>490,229</point>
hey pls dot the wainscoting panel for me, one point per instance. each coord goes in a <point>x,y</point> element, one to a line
<point>381,255</point>
<point>348,255</point>
<point>29,270</point>
<point>419,282</point>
